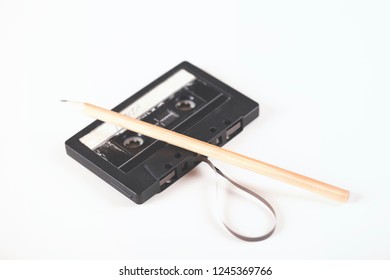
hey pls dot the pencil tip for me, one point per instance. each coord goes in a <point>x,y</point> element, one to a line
<point>73,103</point>
<point>70,101</point>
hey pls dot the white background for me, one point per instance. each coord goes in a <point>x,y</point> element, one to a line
<point>320,72</point>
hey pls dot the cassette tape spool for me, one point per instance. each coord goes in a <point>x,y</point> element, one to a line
<point>186,100</point>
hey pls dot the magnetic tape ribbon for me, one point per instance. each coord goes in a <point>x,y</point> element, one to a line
<point>259,198</point>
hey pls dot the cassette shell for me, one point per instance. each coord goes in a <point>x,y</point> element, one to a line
<point>140,167</point>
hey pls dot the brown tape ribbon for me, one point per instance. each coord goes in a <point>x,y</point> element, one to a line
<point>251,193</point>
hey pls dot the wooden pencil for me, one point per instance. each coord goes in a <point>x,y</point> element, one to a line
<point>215,152</point>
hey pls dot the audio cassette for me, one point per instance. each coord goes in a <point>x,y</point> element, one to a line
<point>186,100</point>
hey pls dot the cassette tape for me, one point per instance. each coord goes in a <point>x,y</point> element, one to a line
<point>186,100</point>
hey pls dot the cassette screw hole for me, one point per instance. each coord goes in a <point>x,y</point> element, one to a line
<point>227,122</point>
<point>185,105</point>
<point>133,142</point>
<point>178,155</point>
<point>168,166</point>
<point>212,129</point>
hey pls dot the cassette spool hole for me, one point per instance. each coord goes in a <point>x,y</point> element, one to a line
<point>133,142</point>
<point>178,155</point>
<point>185,105</point>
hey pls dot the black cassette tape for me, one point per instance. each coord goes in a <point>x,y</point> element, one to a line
<point>186,100</point>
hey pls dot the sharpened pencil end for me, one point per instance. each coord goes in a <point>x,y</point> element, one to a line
<point>73,103</point>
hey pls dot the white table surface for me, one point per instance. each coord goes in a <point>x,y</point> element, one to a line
<point>320,72</point>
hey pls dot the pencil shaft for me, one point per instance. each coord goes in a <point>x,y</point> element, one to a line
<point>216,152</point>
